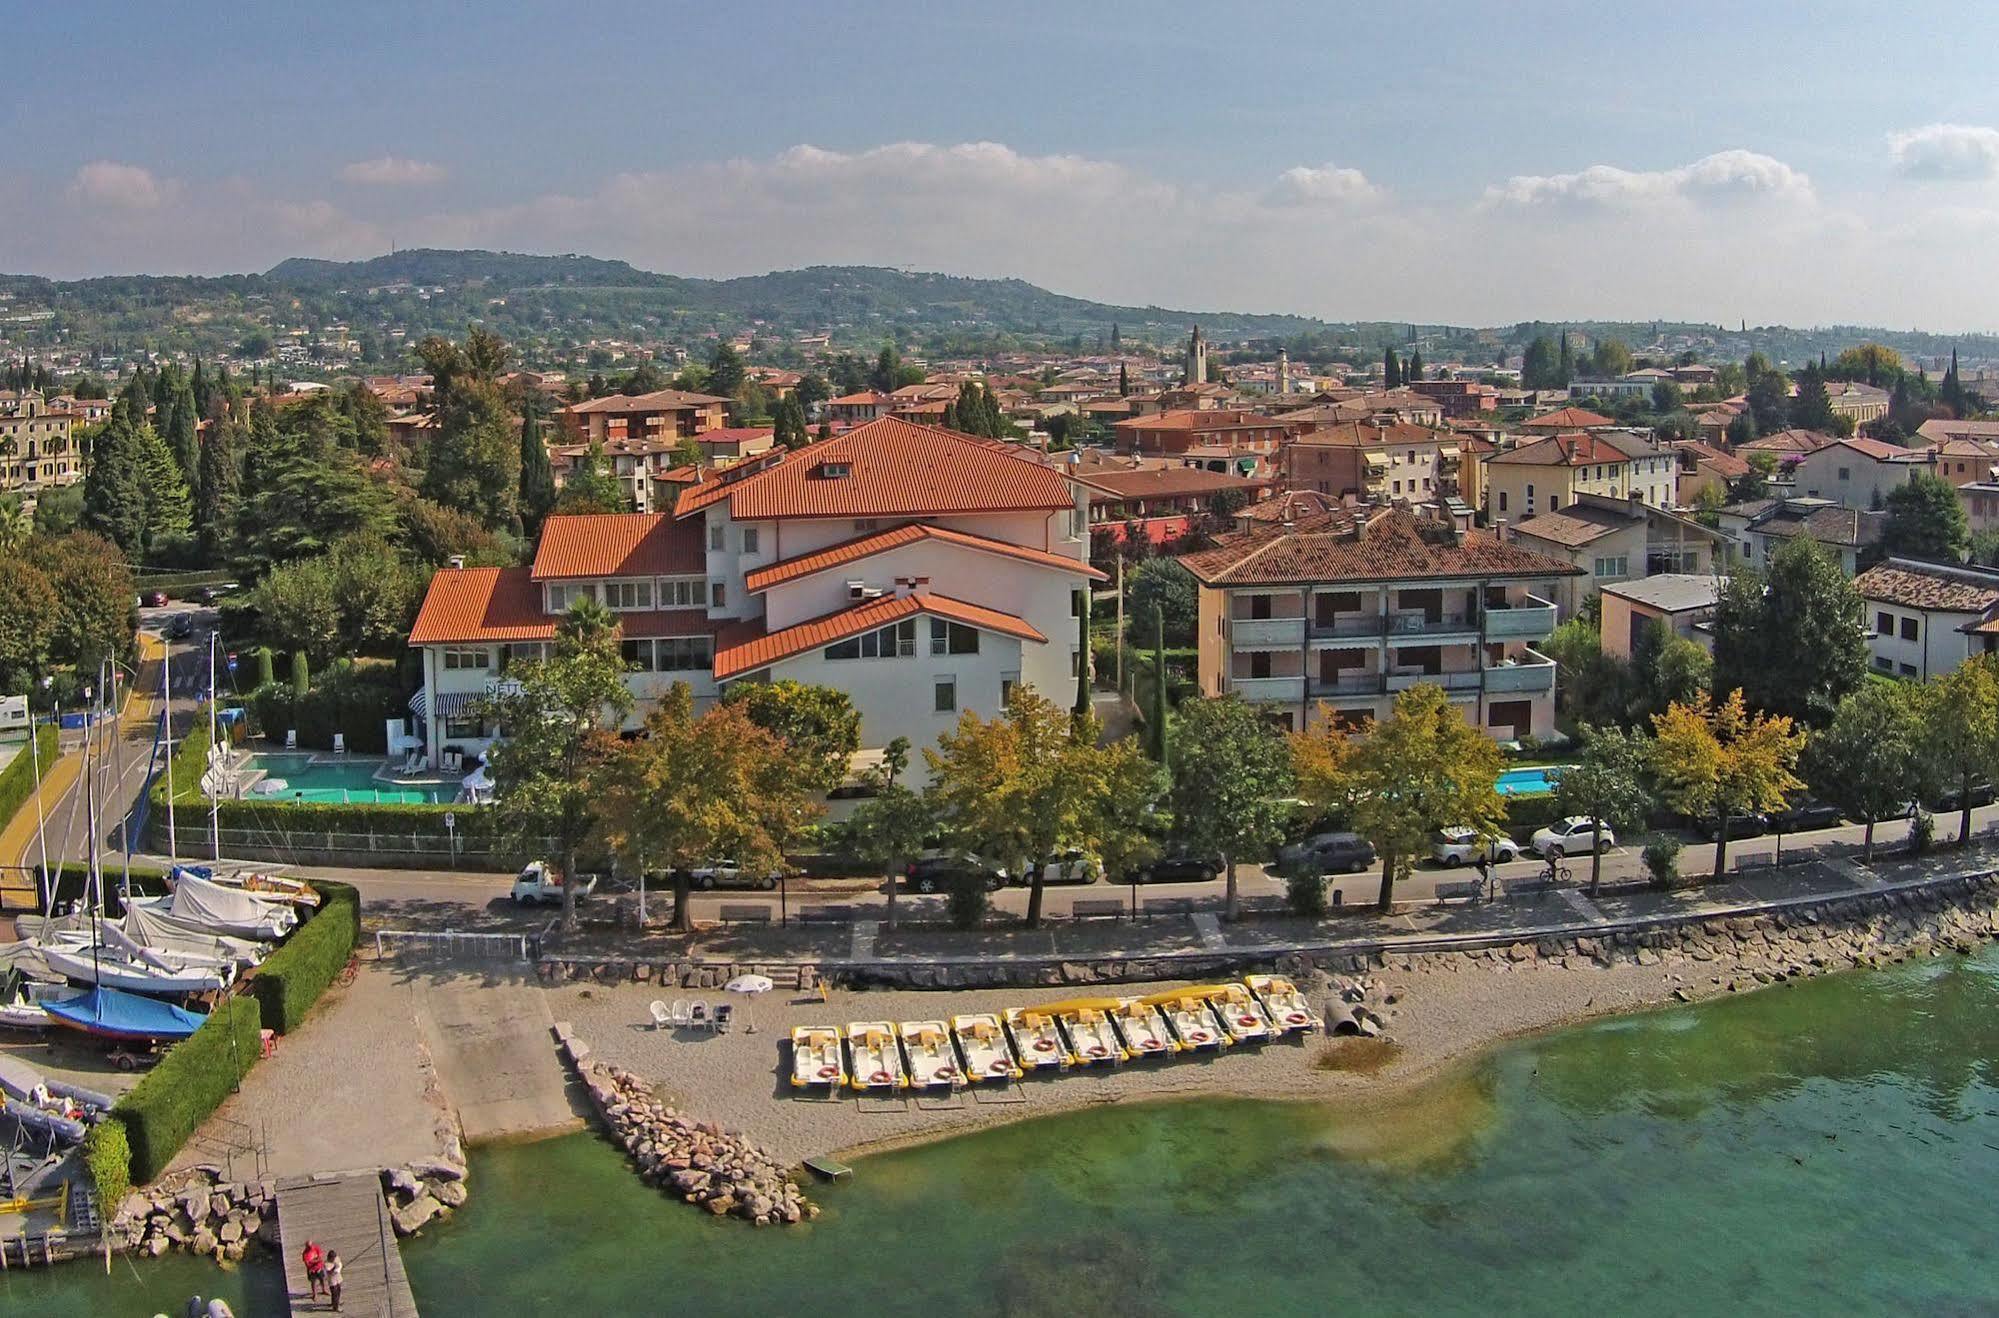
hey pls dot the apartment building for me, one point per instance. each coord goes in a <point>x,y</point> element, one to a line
<point>1549,474</point>
<point>1173,433</point>
<point>1342,611</point>
<point>1374,461</point>
<point>1858,473</point>
<point>1924,619</point>
<point>922,572</point>
<point>36,451</point>
<point>667,414</point>
<point>1614,540</point>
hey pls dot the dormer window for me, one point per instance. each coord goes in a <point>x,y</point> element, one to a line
<point>834,471</point>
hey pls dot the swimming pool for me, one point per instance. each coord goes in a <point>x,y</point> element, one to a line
<point>325,779</point>
<point>1536,781</point>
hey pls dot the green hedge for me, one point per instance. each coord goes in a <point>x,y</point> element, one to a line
<point>17,780</point>
<point>166,1107</point>
<point>73,882</point>
<point>107,1156</point>
<point>292,978</point>
<point>1524,814</point>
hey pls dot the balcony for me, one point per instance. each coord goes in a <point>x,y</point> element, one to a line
<point>1268,633</point>
<point>1465,680</point>
<point>1529,620</point>
<point>1291,689</point>
<point>1348,684</point>
<point>1357,625</point>
<point>1421,624</point>
<point>1533,674</point>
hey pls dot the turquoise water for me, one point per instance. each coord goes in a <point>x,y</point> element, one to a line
<point>309,778</point>
<point>1829,1147</point>
<point>1528,782</point>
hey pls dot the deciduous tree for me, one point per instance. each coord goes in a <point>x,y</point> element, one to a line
<point>819,724</point>
<point>1716,760</point>
<point>1421,769</point>
<point>1868,760</point>
<point>1610,784</point>
<point>1231,775</point>
<point>1959,731</point>
<point>1791,638</point>
<point>1925,520</point>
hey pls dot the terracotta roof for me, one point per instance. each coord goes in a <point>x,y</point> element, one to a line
<point>879,542</point>
<point>886,468</point>
<point>1846,527</point>
<point>1361,434</point>
<point>1162,482</point>
<point>1788,441</point>
<point>1568,418</point>
<point>1881,451</point>
<point>1192,419</point>
<point>1571,529</point>
<point>746,649</point>
<point>1392,547</point>
<point>1577,450</point>
<point>1724,464</point>
<point>1938,429</point>
<point>660,400</point>
<point>1914,585</point>
<point>864,398</point>
<point>1293,506</point>
<point>481,604</point>
<point>618,545</point>
<point>734,434</point>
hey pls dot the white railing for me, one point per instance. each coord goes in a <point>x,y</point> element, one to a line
<point>452,942</point>
<point>1267,631</point>
<point>1535,674</point>
<point>1534,618</point>
<point>1269,688</point>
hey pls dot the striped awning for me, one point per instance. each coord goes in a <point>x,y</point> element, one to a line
<point>445,706</point>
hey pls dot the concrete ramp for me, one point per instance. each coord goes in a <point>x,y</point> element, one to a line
<point>489,1041</point>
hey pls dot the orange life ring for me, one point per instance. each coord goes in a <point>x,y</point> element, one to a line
<point>1246,1020</point>
<point>1152,1044</point>
<point>880,1078</point>
<point>1097,1050</point>
<point>1000,1066</point>
<point>946,1073</point>
<point>1297,1018</point>
<point>828,1072</point>
<point>1198,1036</point>
<point>1044,1045</point>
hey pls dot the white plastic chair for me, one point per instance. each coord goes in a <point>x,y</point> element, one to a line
<point>339,743</point>
<point>291,739</point>
<point>661,1017</point>
<point>680,1016</point>
<point>698,1018</point>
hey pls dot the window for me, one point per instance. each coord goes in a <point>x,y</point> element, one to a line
<point>1259,606</point>
<point>1079,524</point>
<point>638,655</point>
<point>680,592</point>
<point>945,696</point>
<point>1882,662</point>
<point>681,654</point>
<point>1908,670</point>
<point>1846,473</point>
<point>1554,502</point>
<point>475,661</point>
<point>1908,629</point>
<point>953,637</point>
<point>1502,501</point>
<point>862,525</point>
<point>1076,603</point>
<point>558,599</point>
<point>1614,565</point>
<point>1884,625</point>
<point>750,539</point>
<point>715,536</point>
<point>524,651</point>
<point>463,727</point>
<point>1007,685</point>
<point>718,596</point>
<point>624,596</point>
<point>1259,663</point>
<point>895,641</point>
<point>1396,487</point>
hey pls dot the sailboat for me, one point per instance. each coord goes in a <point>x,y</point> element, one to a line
<point>108,1013</point>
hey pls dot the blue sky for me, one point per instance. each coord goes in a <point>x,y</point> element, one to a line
<point>1447,161</point>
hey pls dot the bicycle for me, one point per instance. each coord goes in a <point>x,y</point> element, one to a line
<point>1556,872</point>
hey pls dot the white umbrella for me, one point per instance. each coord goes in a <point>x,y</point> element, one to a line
<point>749,986</point>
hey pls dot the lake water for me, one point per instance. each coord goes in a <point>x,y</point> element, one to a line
<point>1829,1147</point>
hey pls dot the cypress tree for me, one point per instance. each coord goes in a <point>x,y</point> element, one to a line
<point>537,493</point>
<point>1415,371</point>
<point>1083,657</point>
<point>301,677</point>
<point>220,486</point>
<point>1156,716</point>
<point>1123,382</point>
<point>114,499</point>
<point>1391,369</point>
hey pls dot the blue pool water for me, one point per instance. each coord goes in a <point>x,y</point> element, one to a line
<point>1528,782</point>
<point>313,778</point>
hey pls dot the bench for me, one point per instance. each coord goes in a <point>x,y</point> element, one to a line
<point>825,914</point>
<point>1089,908</point>
<point>745,914</point>
<point>1529,887</point>
<point>1172,905</point>
<point>1471,888</point>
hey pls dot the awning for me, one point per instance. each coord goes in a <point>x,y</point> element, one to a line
<point>1377,459</point>
<point>1448,451</point>
<point>446,706</point>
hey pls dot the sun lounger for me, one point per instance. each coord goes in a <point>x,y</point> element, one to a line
<point>875,1063</point>
<point>1143,1030</point>
<point>1286,1007</point>
<point>982,1048</point>
<point>926,1046</point>
<point>1036,1041</point>
<point>1187,1015</point>
<point>815,1057</point>
<point>661,1017</point>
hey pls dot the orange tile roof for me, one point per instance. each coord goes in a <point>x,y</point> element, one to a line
<point>744,650</point>
<point>1394,546</point>
<point>618,545</point>
<point>660,400</point>
<point>878,542</point>
<point>1568,418</point>
<point>1578,450</point>
<point>481,604</point>
<point>895,468</point>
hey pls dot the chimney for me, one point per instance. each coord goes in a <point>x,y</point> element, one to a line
<point>458,561</point>
<point>912,585</point>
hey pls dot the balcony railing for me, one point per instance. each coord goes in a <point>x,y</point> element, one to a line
<point>1348,624</point>
<point>1464,680</point>
<point>1267,631</point>
<point>1533,673</point>
<point>1269,688</point>
<point>1421,624</point>
<point>1531,619</point>
<point>1348,684</point>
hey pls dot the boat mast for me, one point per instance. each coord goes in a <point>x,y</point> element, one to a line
<point>94,868</point>
<point>167,736</point>
<point>47,884</point>
<point>214,810</point>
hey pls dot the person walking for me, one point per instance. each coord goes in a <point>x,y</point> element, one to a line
<point>314,1259</point>
<point>333,1277</point>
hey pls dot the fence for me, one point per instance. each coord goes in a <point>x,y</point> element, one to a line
<point>360,849</point>
<point>456,943</point>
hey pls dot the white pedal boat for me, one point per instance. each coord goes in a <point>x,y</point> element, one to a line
<point>1286,1007</point>
<point>815,1057</point>
<point>926,1047</point>
<point>982,1048</point>
<point>875,1063</point>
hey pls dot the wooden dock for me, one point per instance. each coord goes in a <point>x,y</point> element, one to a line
<point>347,1214</point>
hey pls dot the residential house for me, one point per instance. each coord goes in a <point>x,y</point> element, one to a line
<point>1857,472</point>
<point>1342,611</point>
<point>1981,505</point>
<point>1924,619</point>
<point>1786,445</point>
<point>1611,540</point>
<point>1165,501</point>
<point>1703,467</point>
<point>1966,451</point>
<point>1565,419</point>
<point>858,408</point>
<point>36,452</point>
<point>1864,403</point>
<point>1458,398</point>
<point>922,572</point>
<point>1176,432</point>
<point>1756,528</point>
<point>1549,473</point>
<point>1681,602</point>
<point>1374,461</point>
<point>663,414</point>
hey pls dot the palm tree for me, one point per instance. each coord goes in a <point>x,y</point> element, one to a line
<point>16,524</point>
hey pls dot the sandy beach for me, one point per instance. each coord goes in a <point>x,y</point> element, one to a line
<point>1445,1012</point>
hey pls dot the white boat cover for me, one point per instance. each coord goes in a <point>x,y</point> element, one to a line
<point>146,927</point>
<point>28,959</point>
<point>212,908</point>
<point>106,967</point>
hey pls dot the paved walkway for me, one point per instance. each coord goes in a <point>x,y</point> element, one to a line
<point>348,1215</point>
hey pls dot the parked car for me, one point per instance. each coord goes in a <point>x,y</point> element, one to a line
<point>1460,846</point>
<point>1071,866</point>
<point>539,883</point>
<point>1738,826</point>
<point>153,599</point>
<point>938,872</point>
<point>210,594</point>
<point>1805,815</point>
<point>1982,793</point>
<point>1575,835</point>
<point>712,874</point>
<point>1327,853</point>
<point>179,627</point>
<point>1178,867</point>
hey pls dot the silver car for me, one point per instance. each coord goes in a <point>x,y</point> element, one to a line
<point>1460,846</point>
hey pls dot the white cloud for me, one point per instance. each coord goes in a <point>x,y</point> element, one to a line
<point>124,187</point>
<point>1946,151</point>
<point>392,171</point>
<point>1725,176</point>
<point>1323,184</point>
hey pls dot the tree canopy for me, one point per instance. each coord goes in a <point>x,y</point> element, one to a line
<point>1791,638</point>
<point>1713,761</point>
<point>1421,769</point>
<point>1231,775</point>
<point>1868,761</point>
<point>818,724</point>
<point>1925,520</point>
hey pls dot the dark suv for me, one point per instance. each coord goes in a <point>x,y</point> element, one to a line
<point>938,873</point>
<point>1178,867</point>
<point>1327,853</point>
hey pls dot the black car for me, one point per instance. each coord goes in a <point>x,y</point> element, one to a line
<point>940,873</point>
<point>1981,793</point>
<point>1805,816</point>
<point>1739,826</point>
<point>1327,853</point>
<point>1178,867</point>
